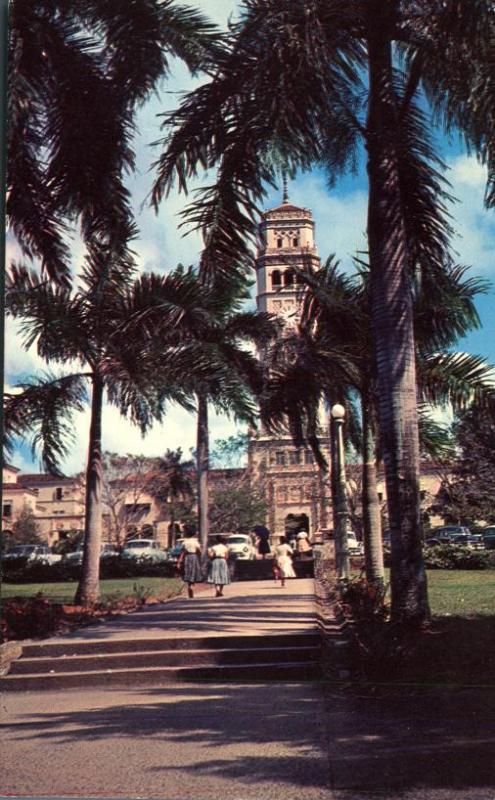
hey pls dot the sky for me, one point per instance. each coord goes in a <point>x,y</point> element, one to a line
<point>340,219</point>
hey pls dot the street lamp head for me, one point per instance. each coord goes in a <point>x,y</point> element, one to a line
<point>338,412</point>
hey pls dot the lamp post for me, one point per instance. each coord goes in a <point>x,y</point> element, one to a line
<point>342,513</point>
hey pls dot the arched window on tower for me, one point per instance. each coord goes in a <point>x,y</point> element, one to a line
<point>276,278</point>
<point>295,241</point>
<point>280,242</point>
<point>299,279</point>
<point>289,277</point>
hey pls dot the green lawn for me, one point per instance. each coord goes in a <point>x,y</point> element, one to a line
<point>461,592</point>
<point>161,588</point>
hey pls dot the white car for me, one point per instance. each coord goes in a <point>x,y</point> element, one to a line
<point>144,548</point>
<point>32,552</point>
<point>355,547</point>
<point>241,546</point>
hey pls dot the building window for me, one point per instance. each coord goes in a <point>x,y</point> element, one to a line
<point>280,242</point>
<point>294,457</point>
<point>7,510</point>
<point>380,497</point>
<point>289,277</point>
<point>276,278</point>
<point>59,493</point>
<point>308,457</point>
<point>280,458</point>
<point>295,242</point>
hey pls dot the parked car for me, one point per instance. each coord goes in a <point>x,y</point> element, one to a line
<point>354,546</point>
<point>31,552</point>
<point>144,548</point>
<point>488,537</point>
<point>470,541</point>
<point>241,547</point>
<point>75,558</point>
<point>447,531</point>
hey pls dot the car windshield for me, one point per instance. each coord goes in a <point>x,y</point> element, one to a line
<point>238,540</point>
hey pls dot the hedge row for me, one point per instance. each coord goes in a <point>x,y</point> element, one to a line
<point>110,567</point>
<point>447,556</point>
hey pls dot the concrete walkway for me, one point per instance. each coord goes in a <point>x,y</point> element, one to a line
<point>183,741</point>
<point>248,608</point>
<point>246,741</point>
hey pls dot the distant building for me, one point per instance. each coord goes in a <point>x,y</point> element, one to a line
<point>296,491</point>
<point>15,497</point>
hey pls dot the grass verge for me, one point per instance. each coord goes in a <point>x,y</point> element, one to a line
<point>159,588</point>
<point>456,649</point>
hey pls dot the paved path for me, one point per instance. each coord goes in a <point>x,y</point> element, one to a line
<point>184,741</point>
<point>245,741</point>
<point>248,608</point>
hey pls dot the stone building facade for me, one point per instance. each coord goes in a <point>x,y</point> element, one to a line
<point>296,490</point>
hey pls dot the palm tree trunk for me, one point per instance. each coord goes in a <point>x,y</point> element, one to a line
<point>88,589</point>
<point>372,524</point>
<point>202,457</point>
<point>393,328</point>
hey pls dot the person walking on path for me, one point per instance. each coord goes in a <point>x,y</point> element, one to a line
<point>218,572</point>
<point>189,562</point>
<point>262,540</point>
<point>283,557</point>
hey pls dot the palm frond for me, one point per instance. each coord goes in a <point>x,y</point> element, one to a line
<point>50,316</point>
<point>434,438</point>
<point>224,126</point>
<point>444,307</point>
<point>457,43</point>
<point>44,414</point>
<point>460,379</point>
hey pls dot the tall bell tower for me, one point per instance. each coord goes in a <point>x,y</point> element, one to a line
<point>286,240</point>
<point>296,491</point>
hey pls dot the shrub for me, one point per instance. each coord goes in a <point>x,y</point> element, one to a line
<point>112,566</point>
<point>447,556</point>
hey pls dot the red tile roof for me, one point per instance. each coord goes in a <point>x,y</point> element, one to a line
<point>28,479</point>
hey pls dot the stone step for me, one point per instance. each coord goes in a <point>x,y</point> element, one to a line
<point>161,658</point>
<point>160,675</point>
<point>72,647</point>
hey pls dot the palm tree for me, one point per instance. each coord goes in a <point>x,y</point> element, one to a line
<point>87,332</point>
<point>227,344</point>
<point>171,482</point>
<point>225,335</point>
<point>78,71</point>
<point>304,83</point>
<point>335,348</point>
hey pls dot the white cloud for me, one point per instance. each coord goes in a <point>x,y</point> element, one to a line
<point>474,241</point>
<point>120,436</point>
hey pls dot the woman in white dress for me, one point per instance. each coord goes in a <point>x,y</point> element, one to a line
<point>218,572</point>
<point>283,557</point>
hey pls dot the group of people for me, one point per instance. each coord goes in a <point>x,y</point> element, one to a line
<point>190,564</point>
<point>218,573</point>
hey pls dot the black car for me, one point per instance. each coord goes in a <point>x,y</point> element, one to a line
<point>488,537</point>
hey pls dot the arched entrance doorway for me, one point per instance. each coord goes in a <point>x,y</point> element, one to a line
<point>295,523</point>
